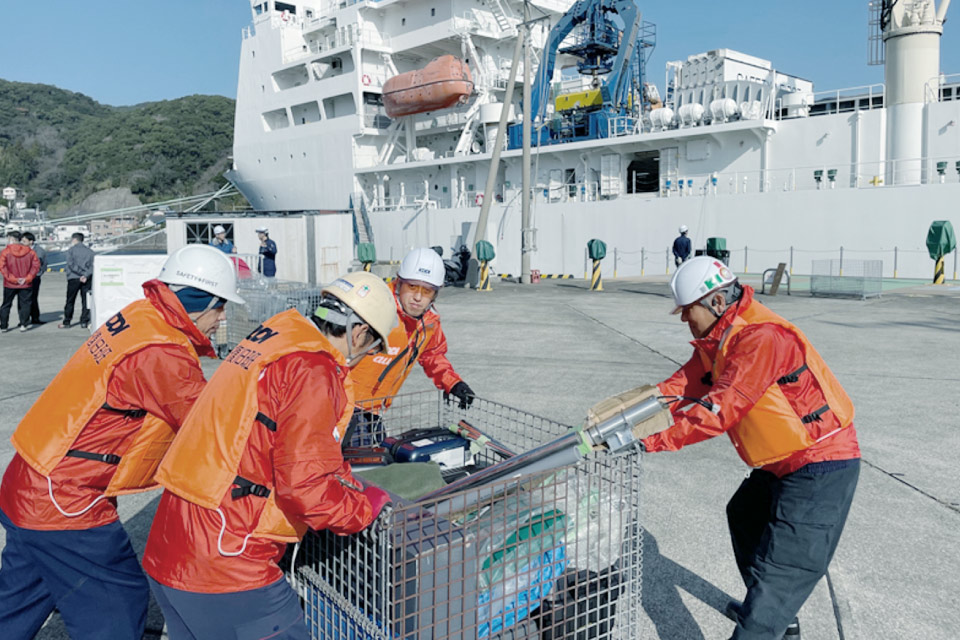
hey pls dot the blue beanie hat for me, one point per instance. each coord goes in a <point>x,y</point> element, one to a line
<point>194,300</point>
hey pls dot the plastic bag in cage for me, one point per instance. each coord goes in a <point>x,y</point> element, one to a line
<point>595,508</point>
<point>521,554</point>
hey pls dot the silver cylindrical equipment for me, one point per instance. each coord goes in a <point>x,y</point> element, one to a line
<point>616,432</point>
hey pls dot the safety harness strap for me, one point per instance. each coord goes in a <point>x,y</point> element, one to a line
<point>129,413</point>
<point>815,416</point>
<point>109,458</point>
<point>792,377</point>
<point>267,422</point>
<point>248,488</point>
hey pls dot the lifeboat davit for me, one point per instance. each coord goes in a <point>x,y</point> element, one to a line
<point>443,83</point>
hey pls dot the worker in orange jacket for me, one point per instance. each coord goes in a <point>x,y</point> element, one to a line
<point>418,338</point>
<point>96,432</point>
<point>756,377</point>
<point>258,462</point>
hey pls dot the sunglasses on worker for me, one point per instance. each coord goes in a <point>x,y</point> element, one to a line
<point>413,287</point>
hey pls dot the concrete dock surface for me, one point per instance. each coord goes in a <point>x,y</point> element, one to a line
<point>556,348</point>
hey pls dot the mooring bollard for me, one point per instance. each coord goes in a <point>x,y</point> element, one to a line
<point>597,250</point>
<point>485,254</point>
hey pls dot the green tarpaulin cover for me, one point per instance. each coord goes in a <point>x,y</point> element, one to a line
<point>940,239</point>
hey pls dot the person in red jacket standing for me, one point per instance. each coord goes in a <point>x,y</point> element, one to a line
<point>258,462</point>
<point>19,266</point>
<point>418,338</point>
<point>756,377</point>
<point>98,431</point>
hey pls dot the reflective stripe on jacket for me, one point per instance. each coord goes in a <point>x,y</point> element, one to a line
<point>413,340</point>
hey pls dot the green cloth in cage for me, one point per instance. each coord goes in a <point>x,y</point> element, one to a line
<point>366,252</point>
<point>409,480</point>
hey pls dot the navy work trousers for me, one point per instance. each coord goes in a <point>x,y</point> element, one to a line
<point>271,612</point>
<point>784,532</point>
<point>91,576</point>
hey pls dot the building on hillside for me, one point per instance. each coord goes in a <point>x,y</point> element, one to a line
<point>62,232</point>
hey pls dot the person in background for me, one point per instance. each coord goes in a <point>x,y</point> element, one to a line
<point>98,431</point>
<point>30,240</point>
<point>79,280</point>
<point>220,240</point>
<point>682,247</point>
<point>268,253</point>
<point>19,266</point>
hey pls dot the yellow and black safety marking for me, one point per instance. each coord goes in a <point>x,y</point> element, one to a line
<point>938,271</point>
<point>596,281</point>
<point>51,269</point>
<point>366,266</point>
<point>543,276</point>
<point>484,284</point>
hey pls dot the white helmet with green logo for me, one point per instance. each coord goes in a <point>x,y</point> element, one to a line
<point>697,278</point>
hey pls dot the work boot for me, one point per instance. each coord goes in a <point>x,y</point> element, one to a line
<point>733,610</point>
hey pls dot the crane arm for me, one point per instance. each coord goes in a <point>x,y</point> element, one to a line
<point>578,13</point>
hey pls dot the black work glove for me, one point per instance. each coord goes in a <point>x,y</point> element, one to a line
<point>463,393</point>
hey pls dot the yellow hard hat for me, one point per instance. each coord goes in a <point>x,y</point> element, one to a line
<point>369,298</point>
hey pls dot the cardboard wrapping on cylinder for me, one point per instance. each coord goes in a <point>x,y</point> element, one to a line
<point>606,409</point>
<point>443,83</point>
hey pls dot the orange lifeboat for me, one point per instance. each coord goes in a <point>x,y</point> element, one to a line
<point>443,83</point>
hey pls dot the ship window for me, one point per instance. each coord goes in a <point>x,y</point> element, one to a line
<point>339,106</point>
<point>202,232</point>
<point>305,113</point>
<point>276,119</point>
<point>292,77</point>
<point>570,179</point>
<point>283,6</point>
<point>309,13</point>
<point>643,172</point>
<point>258,9</point>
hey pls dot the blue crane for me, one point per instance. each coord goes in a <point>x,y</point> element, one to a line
<point>610,42</point>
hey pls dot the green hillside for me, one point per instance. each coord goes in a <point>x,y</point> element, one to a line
<point>59,146</point>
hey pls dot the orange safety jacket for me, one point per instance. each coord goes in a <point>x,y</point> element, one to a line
<point>47,432</point>
<point>201,466</point>
<point>412,340</point>
<point>772,430</point>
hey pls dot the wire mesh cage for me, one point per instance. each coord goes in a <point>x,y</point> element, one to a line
<point>856,278</point>
<point>555,554</point>
<point>265,298</point>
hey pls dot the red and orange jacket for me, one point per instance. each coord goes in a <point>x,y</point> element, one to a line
<point>159,379</point>
<point>413,340</point>
<point>18,261</point>
<point>283,435</point>
<point>764,377</point>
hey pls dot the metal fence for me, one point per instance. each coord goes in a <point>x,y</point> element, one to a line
<point>549,555</point>
<point>857,278</point>
<point>264,297</point>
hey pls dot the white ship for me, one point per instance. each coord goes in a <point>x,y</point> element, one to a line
<point>735,149</point>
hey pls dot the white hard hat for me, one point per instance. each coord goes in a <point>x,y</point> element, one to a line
<point>683,228</point>
<point>697,278</point>
<point>368,297</point>
<point>262,230</point>
<point>202,267</point>
<point>423,264</point>
<point>219,229</point>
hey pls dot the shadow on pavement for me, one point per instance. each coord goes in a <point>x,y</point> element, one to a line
<point>662,581</point>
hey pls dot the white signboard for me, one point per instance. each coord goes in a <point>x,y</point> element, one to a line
<point>118,280</point>
<point>9,193</point>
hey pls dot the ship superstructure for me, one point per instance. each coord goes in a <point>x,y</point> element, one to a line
<point>734,148</point>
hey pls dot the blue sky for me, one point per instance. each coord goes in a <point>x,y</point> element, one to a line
<point>123,53</point>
